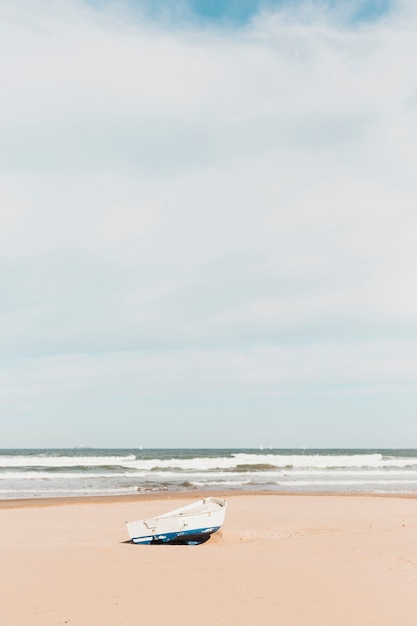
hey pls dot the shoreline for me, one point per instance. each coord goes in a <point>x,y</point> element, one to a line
<point>14,503</point>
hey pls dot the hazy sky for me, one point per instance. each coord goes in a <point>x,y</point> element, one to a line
<point>208,223</point>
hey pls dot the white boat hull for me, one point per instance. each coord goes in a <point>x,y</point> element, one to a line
<point>193,523</point>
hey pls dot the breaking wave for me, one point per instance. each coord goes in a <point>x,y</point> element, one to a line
<point>37,473</point>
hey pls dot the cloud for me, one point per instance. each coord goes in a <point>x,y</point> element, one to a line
<point>170,190</point>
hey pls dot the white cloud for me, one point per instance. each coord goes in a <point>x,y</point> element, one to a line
<point>176,190</point>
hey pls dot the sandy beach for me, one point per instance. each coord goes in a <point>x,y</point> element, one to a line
<point>288,560</point>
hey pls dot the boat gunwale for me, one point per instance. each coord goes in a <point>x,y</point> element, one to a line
<point>195,508</point>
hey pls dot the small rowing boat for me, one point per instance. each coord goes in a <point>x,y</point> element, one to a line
<point>190,524</point>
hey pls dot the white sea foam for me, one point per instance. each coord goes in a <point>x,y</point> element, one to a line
<point>305,483</point>
<point>52,473</point>
<point>313,460</point>
<point>206,476</point>
<point>28,475</point>
<point>349,472</point>
<point>221,483</point>
<point>54,492</point>
<point>64,461</point>
<point>280,461</point>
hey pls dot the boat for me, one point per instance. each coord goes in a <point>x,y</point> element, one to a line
<point>191,524</point>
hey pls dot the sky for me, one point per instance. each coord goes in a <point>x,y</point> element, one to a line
<point>208,223</point>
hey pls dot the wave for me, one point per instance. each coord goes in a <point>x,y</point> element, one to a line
<point>65,461</point>
<point>255,467</point>
<point>353,472</point>
<point>221,483</point>
<point>240,462</point>
<point>305,483</point>
<point>256,462</point>
<point>263,473</point>
<point>55,492</point>
<point>54,473</point>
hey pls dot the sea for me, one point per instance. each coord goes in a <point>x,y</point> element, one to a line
<point>50,473</point>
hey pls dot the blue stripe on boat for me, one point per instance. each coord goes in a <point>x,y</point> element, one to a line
<point>197,535</point>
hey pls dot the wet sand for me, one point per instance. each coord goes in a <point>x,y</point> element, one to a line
<point>287,560</point>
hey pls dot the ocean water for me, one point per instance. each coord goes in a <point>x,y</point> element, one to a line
<point>82,472</point>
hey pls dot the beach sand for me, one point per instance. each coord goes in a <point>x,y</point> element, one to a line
<point>287,560</point>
